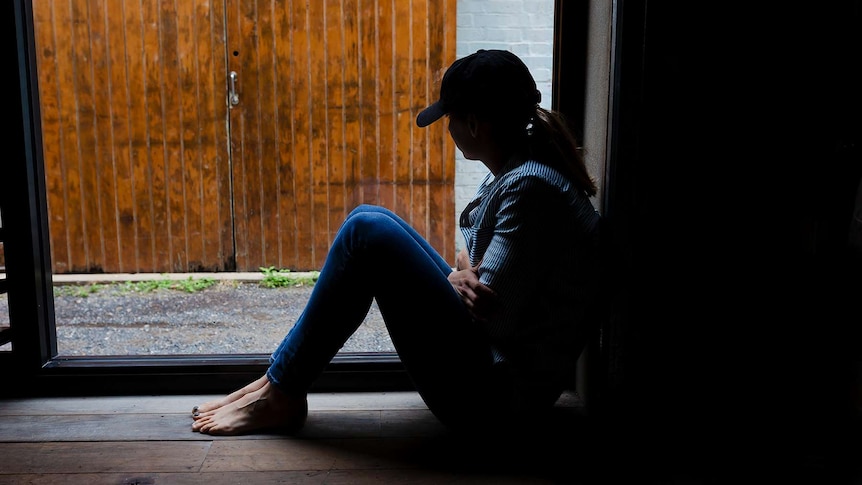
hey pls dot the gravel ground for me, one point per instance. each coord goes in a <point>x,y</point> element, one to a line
<point>227,318</point>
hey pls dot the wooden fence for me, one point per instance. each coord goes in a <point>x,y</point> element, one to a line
<point>232,135</point>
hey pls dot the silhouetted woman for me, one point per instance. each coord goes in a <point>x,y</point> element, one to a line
<point>495,340</point>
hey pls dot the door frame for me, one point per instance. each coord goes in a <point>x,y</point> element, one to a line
<point>37,369</point>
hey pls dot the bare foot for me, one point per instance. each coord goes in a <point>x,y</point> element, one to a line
<point>217,403</point>
<point>265,408</point>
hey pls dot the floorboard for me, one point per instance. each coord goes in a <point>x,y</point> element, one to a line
<point>349,438</point>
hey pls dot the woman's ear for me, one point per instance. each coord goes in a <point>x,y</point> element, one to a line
<point>473,125</point>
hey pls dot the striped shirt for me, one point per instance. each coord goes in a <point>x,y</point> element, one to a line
<point>534,237</point>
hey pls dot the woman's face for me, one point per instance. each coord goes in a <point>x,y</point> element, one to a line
<point>463,136</point>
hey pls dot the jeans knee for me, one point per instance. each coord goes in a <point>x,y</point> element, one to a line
<point>371,227</point>
<point>360,209</point>
<point>369,215</point>
<point>365,222</point>
<point>365,208</point>
<point>371,209</point>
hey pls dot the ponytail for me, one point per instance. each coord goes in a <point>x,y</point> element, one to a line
<point>551,141</point>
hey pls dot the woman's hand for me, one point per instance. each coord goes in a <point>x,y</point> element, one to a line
<point>481,300</point>
<point>462,260</point>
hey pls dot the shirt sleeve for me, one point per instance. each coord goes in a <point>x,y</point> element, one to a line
<point>514,261</point>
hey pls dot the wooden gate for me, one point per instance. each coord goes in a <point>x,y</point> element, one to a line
<point>229,135</point>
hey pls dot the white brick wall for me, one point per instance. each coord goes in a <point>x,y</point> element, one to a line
<point>525,27</point>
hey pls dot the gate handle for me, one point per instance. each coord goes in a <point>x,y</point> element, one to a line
<point>234,98</point>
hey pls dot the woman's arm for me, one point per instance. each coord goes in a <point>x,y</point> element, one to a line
<point>479,299</point>
<point>518,257</point>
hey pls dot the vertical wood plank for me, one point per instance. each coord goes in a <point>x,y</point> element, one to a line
<point>441,166</point>
<point>188,100</point>
<point>217,217</point>
<point>404,96</point>
<point>270,88</point>
<point>136,25</point>
<point>385,47</point>
<point>285,176</point>
<point>447,149</point>
<point>351,107</point>
<point>302,115</point>
<point>47,65</point>
<point>86,154</point>
<point>234,21</point>
<point>77,241</point>
<point>120,146</point>
<point>102,164</point>
<point>320,131</point>
<point>170,122</point>
<point>425,65</point>
<point>337,156</point>
<point>154,55</point>
<point>368,102</point>
<point>254,96</point>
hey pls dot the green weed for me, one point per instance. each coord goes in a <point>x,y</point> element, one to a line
<point>79,291</point>
<point>189,285</point>
<point>275,278</point>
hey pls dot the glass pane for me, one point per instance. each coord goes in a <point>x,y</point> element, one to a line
<point>141,198</point>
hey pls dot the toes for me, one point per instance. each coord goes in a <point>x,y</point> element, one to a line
<point>202,414</point>
<point>198,426</point>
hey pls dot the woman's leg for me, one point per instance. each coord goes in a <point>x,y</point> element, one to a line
<point>376,254</point>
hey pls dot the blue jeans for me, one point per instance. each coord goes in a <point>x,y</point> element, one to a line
<point>376,255</point>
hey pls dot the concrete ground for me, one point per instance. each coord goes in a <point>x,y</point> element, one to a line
<point>100,315</point>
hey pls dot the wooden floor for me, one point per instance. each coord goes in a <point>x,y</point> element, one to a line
<point>359,438</point>
<point>350,438</point>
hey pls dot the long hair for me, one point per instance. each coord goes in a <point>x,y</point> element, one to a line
<point>546,138</point>
<point>550,140</point>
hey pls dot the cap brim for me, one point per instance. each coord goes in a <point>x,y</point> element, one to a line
<point>430,114</point>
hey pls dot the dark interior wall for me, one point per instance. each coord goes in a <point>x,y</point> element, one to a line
<point>734,170</point>
<point>735,163</point>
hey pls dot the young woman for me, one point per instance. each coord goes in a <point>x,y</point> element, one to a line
<point>495,340</point>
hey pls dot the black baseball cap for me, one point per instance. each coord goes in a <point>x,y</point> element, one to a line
<point>488,82</point>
